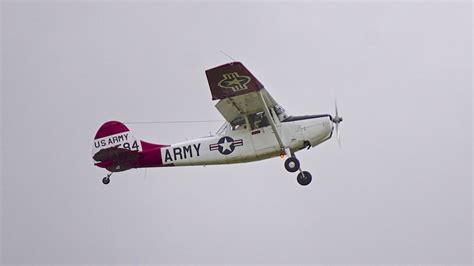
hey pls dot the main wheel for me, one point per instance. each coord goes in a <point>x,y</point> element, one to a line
<point>304,180</point>
<point>106,180</point>
<point>292,164</point>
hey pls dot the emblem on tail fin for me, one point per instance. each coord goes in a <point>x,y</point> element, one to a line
<point>234,81</point>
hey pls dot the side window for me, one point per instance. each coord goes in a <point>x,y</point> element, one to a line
<point>223,128</point>
<point>258,120</point>
<point>264,121</point>
<point>238,123</point>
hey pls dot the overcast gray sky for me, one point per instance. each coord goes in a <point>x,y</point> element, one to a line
<point>399,190</point>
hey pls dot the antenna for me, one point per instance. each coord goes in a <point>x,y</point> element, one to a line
<point>230,57</point>
<point>173,122</point>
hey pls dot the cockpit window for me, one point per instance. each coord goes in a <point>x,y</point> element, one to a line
<point>238,123</point>
<point>258,120</point>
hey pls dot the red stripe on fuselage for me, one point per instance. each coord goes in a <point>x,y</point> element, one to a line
<point>151,155</point>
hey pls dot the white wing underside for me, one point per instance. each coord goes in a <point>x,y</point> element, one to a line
<point>245,104</point>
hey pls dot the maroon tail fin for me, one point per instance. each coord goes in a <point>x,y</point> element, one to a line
<point>115,148</point>
<point>115,134</point>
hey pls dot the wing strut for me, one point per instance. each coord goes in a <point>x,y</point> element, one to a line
<point>272,124</point>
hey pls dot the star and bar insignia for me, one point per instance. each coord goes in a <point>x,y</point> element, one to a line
<point>226,145</point>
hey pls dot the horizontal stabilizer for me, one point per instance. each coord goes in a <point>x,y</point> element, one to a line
<point>115,154</point>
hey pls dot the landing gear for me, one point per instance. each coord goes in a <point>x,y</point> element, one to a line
<point>292,164</point>
<point>106,179</point>
<point>304,178</point>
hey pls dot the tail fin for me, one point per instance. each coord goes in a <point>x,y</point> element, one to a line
<point>114,134</point>
<point>117,150</point>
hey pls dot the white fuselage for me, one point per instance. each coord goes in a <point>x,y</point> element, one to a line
<point>245,145</point>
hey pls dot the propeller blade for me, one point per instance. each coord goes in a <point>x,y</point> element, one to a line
<point>337,119</point>
<point>338,134</point>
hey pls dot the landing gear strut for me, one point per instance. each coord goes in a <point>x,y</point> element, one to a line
<point>106,179</point>
<point>292,164</point>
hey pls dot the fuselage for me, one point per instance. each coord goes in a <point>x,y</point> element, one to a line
<point>242,144</point>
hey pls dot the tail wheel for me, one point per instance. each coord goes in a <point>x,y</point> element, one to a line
<point>304,178</point>
<point>292,164</point>
<point>106,180</point>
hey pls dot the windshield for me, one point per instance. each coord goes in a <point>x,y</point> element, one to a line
<point>236,124</point>
<point>281,113</point>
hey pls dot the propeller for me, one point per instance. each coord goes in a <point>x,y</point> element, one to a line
<point>336,120</point>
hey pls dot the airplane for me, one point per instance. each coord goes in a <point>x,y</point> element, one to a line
<point>256,128</point>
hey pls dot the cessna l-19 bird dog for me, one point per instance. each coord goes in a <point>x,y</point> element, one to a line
<point>256,128</point>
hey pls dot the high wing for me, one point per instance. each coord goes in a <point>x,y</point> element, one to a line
<point>238,91</point>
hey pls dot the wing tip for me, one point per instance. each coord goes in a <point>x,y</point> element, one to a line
<point>226,64</point>
<point>231,79</point>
